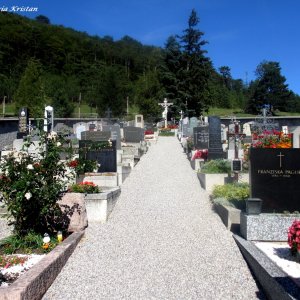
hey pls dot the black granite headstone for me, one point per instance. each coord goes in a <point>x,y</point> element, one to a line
<point>201,137</point>
<point>106,157</point>
<point>215,150</point>
<point>96,136</point>
<point>275,178</point>
<point>133,134</point>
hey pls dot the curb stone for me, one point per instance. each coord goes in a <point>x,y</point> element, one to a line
<point>35,282</point>
<point>276,284</point>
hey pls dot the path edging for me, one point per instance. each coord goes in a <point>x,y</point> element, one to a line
<point>276,284</point>
<point>35,282</point>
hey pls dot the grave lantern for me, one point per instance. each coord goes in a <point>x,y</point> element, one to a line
<point>23,120</point>
<point>48,119</point>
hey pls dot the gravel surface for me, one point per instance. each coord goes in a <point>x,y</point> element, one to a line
<point>162,241</point>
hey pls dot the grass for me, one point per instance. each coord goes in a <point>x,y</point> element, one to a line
<point>31,243</point>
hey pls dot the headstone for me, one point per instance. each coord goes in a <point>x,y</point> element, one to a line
<point>193,123</point>
<point>133,134</point>
<point>79,128</point>
<point>96,136</point>
<point>247,129</point>
<point>215,150</point>
<point>201,137</point>
<point>106,157</point>
<point>92,127</point>
<point>275,177</point>
<point>296,136</point>
<point>115,134</point>
<point>185,127</point>
<point>139,121</point>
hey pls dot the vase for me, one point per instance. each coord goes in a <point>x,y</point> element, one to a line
<point>253,206</point>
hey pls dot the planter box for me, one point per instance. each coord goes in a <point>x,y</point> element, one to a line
<point>100,205</point>
<point>230,216</point>
<point>208,181</point>
<point>266,227</point>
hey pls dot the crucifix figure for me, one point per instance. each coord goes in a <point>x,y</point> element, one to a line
<point>165,105</point>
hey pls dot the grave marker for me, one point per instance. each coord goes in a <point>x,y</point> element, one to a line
<point>275,177</point>
<point>215,150</point>
<point>133,134</point>
<point>106,157</point>
<point>201,137</point>
<point>96,136</point>
<point>115,134</point>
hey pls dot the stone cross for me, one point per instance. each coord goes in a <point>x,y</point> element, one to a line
<point>165,105</point>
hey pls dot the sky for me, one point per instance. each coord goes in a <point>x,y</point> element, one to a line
<point>240,33</point>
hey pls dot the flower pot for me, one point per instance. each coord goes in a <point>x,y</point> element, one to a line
<point>253,206</point>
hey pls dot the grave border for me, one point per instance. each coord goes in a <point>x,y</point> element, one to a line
<point>36,281</point>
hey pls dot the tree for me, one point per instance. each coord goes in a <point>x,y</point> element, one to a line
<point>269,88</point>
<point>196,68</point>
<point>42,19</point>
<point>31,90</point>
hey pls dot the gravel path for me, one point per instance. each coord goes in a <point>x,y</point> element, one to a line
<point>162,241</point>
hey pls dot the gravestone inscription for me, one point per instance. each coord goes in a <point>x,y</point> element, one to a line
<point>215,150</point>
<point>95,135</point>
<point>275,177</point>
<point>201,137</point>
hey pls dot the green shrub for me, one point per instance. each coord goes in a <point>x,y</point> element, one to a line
<point>216,166</point>
<point>234,193</point>
<point>166,133</point>
<point>31,185</point>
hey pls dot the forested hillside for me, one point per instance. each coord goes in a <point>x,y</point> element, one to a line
<point>41,63</point>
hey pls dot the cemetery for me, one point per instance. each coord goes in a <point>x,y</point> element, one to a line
<point>248,174</point>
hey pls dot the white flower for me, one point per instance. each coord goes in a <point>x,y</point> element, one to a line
<point>28,195</point>
<point>30,167</point>
<point>58,144</point>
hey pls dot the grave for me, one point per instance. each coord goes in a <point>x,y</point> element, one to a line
<point>139,121</point>
<point>185,127</point>
<point>115,134</point>
<point>192,124</point>
<point>275,177</point>
<point>133,134</point>
<point>106,157</point>
<point>201,137</point>
<point>215,149</point>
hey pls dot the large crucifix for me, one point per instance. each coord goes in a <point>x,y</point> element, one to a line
<point>165,105</point>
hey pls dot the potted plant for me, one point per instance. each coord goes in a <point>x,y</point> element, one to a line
<point>294,238</point>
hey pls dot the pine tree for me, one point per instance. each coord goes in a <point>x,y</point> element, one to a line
<point>195,69</point>
<point>31,90</point>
